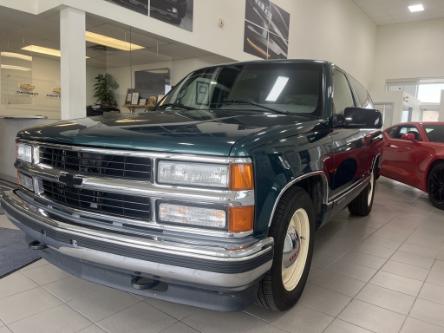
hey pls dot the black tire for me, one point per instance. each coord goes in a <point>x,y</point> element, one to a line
<point>362,205</point>
<point>271,293</point>
<point>436,185</point>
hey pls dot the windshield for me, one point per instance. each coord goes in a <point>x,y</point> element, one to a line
<point>293,88</point>
<point>435,133</point>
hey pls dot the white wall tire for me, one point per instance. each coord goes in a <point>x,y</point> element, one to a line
<point>294,256</point>
<point>293,229</point>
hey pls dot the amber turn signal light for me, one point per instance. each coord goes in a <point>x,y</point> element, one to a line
<point>241,177</point>
<point>241,219</point>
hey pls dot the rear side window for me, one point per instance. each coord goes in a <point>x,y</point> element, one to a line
<point>361,93</point>
<point>435,133</point>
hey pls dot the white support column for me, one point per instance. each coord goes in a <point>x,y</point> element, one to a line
<point>441,107</point>
<point>72,63</point>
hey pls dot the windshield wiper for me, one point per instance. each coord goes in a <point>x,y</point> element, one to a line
<point>175,105</point>
<point>248,102</point>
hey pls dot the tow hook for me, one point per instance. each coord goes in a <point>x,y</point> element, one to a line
<point>143,283</point>
<point>36,245</point>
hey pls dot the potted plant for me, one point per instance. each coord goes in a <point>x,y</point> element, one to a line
<point>104,90</point>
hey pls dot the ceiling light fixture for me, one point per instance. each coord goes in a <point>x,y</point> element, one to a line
<point>416,8</point>
<point>16,56</point>
<point>42,50</point>
<point>17,68</point>
<point>114,43</point>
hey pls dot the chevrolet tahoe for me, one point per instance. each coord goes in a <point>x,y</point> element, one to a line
<point>214,198</point>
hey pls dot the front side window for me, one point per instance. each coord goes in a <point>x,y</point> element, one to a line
<point>342,97</point>
<point>362,94</point>
<point>275,87</point>
<point>408,130</point>
<point>435,133</point>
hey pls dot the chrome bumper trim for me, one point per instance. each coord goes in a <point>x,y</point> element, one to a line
<point>233,251</point>
<point>17,209</point>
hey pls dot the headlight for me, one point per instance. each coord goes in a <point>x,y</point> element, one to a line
<point>192,216</point>
<point>25,181</point>
<point>193,174</point>
<point>24,152</point>
<point>236,176</point>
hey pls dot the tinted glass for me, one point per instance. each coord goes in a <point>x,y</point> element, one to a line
<point>285,87</point>
<point>435,133</point>
<point>342,97</point>
<point>362,94</point>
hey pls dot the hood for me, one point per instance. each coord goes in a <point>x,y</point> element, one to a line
<point>211,132</point>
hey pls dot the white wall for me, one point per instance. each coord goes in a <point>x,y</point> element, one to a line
<point>407,51</point>
<point>410,50</point>
<point>334,30</point>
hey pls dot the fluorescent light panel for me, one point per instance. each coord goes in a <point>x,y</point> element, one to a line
<point>16,56</point>
<point>42,50</point>
<point>17,68</point>
<point>114,43</point>
<point>278,88</point>
<point>416,8</point>
<point>92,38</point>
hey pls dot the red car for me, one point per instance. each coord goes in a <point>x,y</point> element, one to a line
<point>414,155</point>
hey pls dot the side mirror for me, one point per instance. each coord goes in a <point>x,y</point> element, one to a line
<point>360,118</point>
<point>408,137</point>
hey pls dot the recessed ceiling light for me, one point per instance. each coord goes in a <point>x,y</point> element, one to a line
<point>114,43</point>
<point>416,8</point>
<point>16,56</point>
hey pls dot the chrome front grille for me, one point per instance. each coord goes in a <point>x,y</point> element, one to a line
<point>121,205</point>
<point>97,164</point>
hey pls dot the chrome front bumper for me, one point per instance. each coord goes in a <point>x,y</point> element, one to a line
<point>234,266</point>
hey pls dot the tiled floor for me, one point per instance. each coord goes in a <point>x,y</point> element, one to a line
<point>384,273</point>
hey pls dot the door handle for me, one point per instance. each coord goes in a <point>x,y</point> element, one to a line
<point>393,146</point>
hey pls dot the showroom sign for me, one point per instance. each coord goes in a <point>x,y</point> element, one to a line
<point>267,28</point>
<point>176,12</point>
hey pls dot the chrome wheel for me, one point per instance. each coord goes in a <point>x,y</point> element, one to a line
<point>372,188</point>
<point>295,252</point>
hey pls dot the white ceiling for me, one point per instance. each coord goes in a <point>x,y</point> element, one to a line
<point>396,11</point>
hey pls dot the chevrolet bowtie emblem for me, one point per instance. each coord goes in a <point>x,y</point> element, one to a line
<point>70,180</point>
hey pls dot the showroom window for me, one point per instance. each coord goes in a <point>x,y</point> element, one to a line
<point>426,91</point>
<point>127,70</point>
<point>430,92</point>
<point>430,115</point>
<point>29,65</point>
